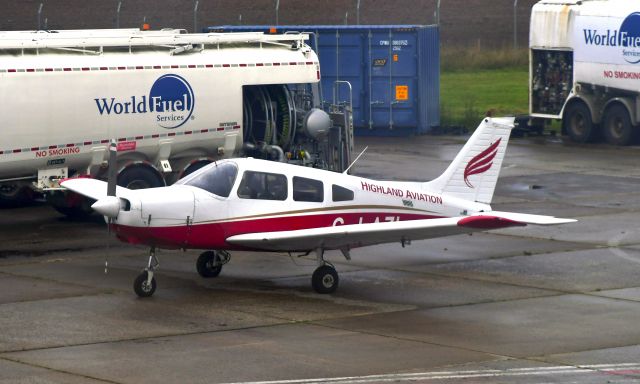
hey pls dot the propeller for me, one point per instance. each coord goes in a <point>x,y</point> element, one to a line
<point>109,206</point>
<point>111,171</point>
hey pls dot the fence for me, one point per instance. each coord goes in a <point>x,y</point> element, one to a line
<point>484,23</point>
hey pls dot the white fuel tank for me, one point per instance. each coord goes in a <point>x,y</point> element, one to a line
<point>161,95</point>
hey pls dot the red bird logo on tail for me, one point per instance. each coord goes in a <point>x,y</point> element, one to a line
<point>481,162</point>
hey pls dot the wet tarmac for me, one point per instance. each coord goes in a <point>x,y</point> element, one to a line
<point>526,305</point>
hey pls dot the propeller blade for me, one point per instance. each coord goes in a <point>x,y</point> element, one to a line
<point>111,171</point>
<point>109,206</point>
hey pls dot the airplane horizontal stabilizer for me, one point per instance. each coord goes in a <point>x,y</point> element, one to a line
<point>531,219</point>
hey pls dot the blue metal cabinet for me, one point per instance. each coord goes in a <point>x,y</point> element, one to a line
<point>394,71</point>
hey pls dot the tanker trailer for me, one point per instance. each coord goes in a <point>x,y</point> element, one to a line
<point>172,101</point>
<point>585,68</point>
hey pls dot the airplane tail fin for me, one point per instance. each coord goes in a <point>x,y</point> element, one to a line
<point>473,174</point>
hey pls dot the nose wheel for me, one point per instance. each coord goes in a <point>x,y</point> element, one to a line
<point>142,286</point>
<point>145,284</point>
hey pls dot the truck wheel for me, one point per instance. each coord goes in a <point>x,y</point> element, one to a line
<point>194,166</point>
<point>71,204</point>
<point>139,177</point>
<point>617,126</point>
<point>578,124</point>
<point>14,196</point>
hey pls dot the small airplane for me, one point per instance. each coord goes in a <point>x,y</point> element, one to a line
<point>258,205</point>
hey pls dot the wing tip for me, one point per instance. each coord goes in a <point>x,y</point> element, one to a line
<point>559,220</point>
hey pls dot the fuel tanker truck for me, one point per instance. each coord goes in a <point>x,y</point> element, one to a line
<point>172,102</point>
<point>585,67</point>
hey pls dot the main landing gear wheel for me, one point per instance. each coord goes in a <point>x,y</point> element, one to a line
<point>208,264</point>
<point>325,279</point>
<point>142,287</point>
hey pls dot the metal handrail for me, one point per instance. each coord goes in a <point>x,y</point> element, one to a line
<point>335,91</point>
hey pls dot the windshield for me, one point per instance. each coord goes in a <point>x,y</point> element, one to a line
<point>217,179</point>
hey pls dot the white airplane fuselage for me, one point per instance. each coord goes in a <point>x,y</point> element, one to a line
<point>200,219</point>
<point>260,205</point>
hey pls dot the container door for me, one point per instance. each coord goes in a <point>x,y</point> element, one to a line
<point>341,53</point>
<point>404,80</point>
<point>379,79</point>
<point>392,80</point>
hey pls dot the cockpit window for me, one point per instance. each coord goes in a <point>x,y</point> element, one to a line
<point>263,186</point>
<point>217,179</point>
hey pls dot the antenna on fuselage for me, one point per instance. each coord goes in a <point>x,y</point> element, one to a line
<point>354,161</point>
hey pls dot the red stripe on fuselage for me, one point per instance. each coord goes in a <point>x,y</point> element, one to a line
<point>214,235</point>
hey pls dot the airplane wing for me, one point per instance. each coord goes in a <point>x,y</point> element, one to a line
<point>359,235</point>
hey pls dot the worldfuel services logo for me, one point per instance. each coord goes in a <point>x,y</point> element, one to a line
<point>170,99</point>
<point>626,37</point>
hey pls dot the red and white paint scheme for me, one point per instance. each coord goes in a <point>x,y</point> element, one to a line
<point>250,204</point>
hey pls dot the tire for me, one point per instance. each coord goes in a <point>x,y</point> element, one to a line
<point>139,177</point>
<point>141,287</point>
<point>325,279</point>
<point>616,125</point>
<point>577,123</point>
<point>194,167</point>
<point>15,196</point>
<point>75,213</point>
<point>206,264</point>
<point>72,205</point>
